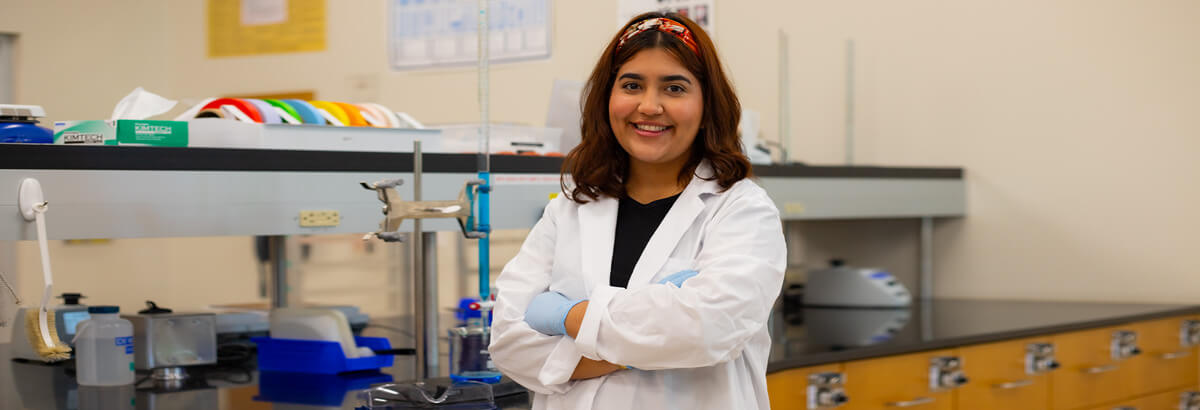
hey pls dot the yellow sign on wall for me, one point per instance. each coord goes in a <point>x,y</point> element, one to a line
<point>252,27</point>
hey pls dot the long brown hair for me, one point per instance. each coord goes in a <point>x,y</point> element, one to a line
<point>599,166</point>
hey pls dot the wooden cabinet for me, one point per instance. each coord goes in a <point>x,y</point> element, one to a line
<point>1165,363</point>
<point>1000,379</point>
<point>896,382</point>
<point>788,389</point>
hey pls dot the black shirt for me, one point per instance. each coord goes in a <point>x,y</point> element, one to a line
<point>636,222</point>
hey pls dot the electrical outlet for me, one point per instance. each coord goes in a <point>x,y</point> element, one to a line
<point>319,218</point>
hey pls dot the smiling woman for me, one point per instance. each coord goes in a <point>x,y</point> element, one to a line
<point>649,283</point>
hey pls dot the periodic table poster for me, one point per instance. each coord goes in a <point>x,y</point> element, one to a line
<point>700,11</point>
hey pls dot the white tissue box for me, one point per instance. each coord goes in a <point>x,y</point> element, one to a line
<point>122,132</point>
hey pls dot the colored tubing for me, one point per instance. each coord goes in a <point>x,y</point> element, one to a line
<point>379,116</point>
<point>210,113</point>
<point>385,114</point>
<point>306,112</point>
<point>352,112</point>
<point>286,108</point>
<point>332,109</point>
<point>249,109</point>
<point>268,112</point>
<point>485,226</point>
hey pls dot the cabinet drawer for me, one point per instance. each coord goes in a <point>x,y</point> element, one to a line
<point>1089,375</point>
<point>1000,379</point>
<point>788,389</point>
<point>1165,363</point>
<point>1172,400</point>
<point>896,382</point>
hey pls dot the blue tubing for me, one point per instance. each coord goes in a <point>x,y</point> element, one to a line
<point>485,226</point>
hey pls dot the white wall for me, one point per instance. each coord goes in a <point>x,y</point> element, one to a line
<point>1073,119</point>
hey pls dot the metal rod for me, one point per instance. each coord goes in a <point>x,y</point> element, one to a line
<point>432,358</point>
<point>850,102</point>
<point>418,252</point>
<point>785,100</point>
<point>277,266</point>
<point>926,258</point>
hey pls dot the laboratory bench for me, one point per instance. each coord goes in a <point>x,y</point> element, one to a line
<point>883,356</point>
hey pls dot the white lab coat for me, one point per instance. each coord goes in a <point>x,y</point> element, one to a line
<point>702,346</point>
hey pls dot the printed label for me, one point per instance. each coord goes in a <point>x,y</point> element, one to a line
<point>128,349</point>
<point>124,341</point>
<point>82,138</point>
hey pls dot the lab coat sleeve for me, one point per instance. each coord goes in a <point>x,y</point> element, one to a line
<point>541,363</point>
<point>711,318</point>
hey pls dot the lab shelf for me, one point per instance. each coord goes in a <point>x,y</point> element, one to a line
<point>132,192</point>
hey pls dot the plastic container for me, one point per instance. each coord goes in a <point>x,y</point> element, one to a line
<point>318,357</point>
<point>469,357</point>
<point>104,349</point>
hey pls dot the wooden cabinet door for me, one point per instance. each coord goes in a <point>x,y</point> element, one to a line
<point>999,379</point>
<point>788,389</point>
<point>1164,363</point>
<point>1088,376</point>
<point>896,382</point>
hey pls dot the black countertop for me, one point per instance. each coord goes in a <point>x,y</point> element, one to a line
<point>807,336</point>
<point>42,156</point>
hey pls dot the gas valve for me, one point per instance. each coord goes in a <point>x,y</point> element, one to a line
<point>1124,344</point>
<point>1039,358</point>
<point>1189,333</point>
<point>826,391</point>
<point>1189,400</point>
<point>946,373</point>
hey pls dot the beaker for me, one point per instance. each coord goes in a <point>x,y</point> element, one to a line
<point>469,357</point>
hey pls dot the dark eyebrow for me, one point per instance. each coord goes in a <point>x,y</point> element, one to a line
<point>665,79</point>
<point>675,77</point>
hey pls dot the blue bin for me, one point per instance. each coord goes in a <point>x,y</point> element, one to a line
<point>318,357</point>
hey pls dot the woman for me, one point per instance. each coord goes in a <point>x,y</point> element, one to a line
<point>649,283</point>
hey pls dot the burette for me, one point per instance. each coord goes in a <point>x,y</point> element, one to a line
<point>485,162</point>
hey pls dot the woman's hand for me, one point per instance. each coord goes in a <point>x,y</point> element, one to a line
<point>547,313</point>
<point>588,368</point>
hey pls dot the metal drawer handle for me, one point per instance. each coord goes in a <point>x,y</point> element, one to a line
<point>1014,384</point>
<point>1101,369</point>
<point>911,403</point>
<point>1176,355</point>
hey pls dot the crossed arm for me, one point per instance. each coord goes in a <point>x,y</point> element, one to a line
<point>587,368</point>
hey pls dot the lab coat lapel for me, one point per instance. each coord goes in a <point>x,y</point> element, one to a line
<point>674,225</point>
<point>597,228</point>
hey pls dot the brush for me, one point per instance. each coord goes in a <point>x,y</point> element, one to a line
<point>39,326</point>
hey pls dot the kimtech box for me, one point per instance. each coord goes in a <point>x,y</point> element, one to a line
<point>122,132</point>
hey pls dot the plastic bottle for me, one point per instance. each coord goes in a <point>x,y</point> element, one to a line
<point>104,349</point>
